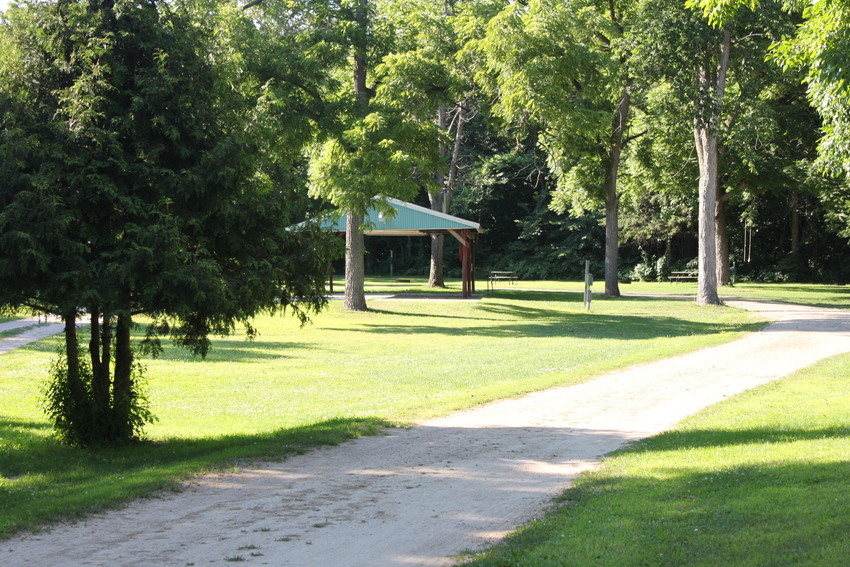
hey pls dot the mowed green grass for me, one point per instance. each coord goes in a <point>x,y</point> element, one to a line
<point>344,375</point>
<point>758,480</point>
<point>819,295</point>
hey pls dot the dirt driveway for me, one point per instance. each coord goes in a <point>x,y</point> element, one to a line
<point>418,496</point>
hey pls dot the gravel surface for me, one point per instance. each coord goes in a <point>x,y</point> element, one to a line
<point>34,329</point>
<point>419,496</point>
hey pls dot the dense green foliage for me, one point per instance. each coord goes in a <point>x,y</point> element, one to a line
<point>549,78</point>
<point>151,166</point>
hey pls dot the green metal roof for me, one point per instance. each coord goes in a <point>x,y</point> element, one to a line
<point>409,220</point>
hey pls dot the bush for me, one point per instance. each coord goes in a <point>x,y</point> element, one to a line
<point>82,419</point>
<point>643,272</point>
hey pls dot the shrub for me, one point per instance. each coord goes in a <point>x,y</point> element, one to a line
<point>86,419</point>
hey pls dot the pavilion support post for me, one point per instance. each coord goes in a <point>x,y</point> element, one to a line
<point>472,263</point>
<point>467,261</point>
<point>464,259</point>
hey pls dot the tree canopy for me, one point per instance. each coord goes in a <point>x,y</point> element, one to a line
<point>151,160</point>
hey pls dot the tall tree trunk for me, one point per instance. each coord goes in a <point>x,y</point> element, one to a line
<point>442,202</point>
<point>355,272</point>
<point>612,239</point>
<point>721,237</point>
<point>706,139</point>
<point>72,357</point>
<point>122,383</point>
<point>436,276</point>
<point>706,144</point>
<point>100,354</point>
<point>795,223</point>
<point>612,198</point>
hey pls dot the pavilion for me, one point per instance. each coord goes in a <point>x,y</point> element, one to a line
<point>413,220</point>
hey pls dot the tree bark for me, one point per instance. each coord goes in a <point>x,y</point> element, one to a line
<point>355,272</point>
<point>612,198</point>
<point>122,383</point>
<point>442,202</point>
<point>436,276</point>
<point>706,144</point>
<point>72,357</point>
<point>721,238</point>
<point>100,354</point>
<point>612,240</point>
<point>706,139</point>
<point>795,223</point>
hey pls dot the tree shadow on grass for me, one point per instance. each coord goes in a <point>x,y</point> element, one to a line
<point>578,296</point>
<point>235,351</point>
<point>553,323</point>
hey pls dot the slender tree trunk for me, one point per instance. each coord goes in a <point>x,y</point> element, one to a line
<point>795,223</point>
<point>436,277</point>
<point>454,164</point>
<point>72,357</point>
<point>100,354</point>
<point>706,140</point>
<point>94,343</point>
<point>721,238</point>
<point>612,239</point>
<point>706,143</point>
<point>442,202</point>
<point>122,383</point>
<point>355,272</point>
<point>612,198</point>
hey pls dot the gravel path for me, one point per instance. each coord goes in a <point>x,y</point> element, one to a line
<point>34,329</point>
<point>416,497</point>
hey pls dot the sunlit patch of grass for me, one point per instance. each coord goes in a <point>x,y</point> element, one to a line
<point>759,480</point>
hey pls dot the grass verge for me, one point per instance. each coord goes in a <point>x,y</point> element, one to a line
<point>344,375</point>
<point>758,480</point>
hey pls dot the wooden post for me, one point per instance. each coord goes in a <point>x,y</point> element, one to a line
<point>464,259</point>
<point>467,260</point>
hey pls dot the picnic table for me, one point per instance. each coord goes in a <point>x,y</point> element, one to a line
<point>683,276</point>
<point>494,276</point>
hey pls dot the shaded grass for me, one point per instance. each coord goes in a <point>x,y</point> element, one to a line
<point>758,480</point>
<point>41,480</point>
<point>343,375</point>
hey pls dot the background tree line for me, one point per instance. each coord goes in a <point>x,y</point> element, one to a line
<point>632,133</point>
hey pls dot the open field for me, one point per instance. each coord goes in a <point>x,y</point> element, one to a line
<point>758,480</point>
<point>820,295</point>
<point>344,375</point>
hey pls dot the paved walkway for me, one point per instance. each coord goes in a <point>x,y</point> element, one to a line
<point>35,329</point>
<point>418,496</point>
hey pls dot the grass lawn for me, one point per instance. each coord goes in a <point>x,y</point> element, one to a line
<point>344,375</point>
<point>758,480</point>
<point>820,295</point>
